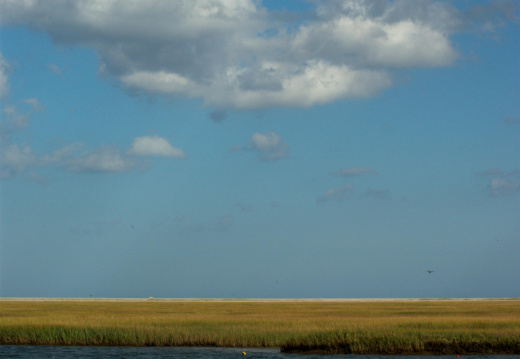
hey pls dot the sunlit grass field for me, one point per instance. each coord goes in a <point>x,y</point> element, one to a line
<point>389,327</point>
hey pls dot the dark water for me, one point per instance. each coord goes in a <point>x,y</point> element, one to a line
<point>58,352</point>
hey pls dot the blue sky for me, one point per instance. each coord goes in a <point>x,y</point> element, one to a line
<point>274,149</point>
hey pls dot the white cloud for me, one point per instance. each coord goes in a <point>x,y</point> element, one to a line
<point>362,41</point>
<point>270,146</point>
<point>11,122</point>
<point>103,160</point>
<point>61,155</point>
<point>4,86</point>
<point>338,194</point>
<point>14,160</point>
<point>355,171</point>
<point>154,146</point>
<point>500,182</point>
<point>72,157</point>
<point>218,50</point>
<point>161,81</point>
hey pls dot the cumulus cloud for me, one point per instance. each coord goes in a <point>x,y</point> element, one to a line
<point>354,171</point>
<point>154,146</point>
<point>234,54</point>
<point>270,146</point>
<point>338,194</point>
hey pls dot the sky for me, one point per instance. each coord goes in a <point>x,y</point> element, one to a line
<point>260,149</point>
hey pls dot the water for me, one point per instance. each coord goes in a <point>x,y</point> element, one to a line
<point>59,352</point>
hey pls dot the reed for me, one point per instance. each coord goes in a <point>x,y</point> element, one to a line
<point>419,327</point>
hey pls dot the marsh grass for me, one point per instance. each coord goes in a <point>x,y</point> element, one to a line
<point>440,327</point>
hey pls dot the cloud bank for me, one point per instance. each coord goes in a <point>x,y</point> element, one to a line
<point>235,54</point>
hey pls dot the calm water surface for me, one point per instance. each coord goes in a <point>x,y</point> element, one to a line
<point>57,352</point>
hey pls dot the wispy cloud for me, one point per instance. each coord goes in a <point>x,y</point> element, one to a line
<point>14,160</point>
<point>497,172</point>
<point>500,182</point>
<point>55,69</point>
<point>354,171</point>
<point>376,193</point>
<point>488,17</point>
<point>503,187</point>
<point>34,103</point>
<point>491,172</point>
<point>338,194</point>
<point>243,207</point>
<point>105,159</point>
<point>12,121</point>
<point>4,68</point>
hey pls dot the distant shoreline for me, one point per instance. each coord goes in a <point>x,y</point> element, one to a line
<point>152,299</point>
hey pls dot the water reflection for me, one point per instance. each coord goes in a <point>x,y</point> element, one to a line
<point>59,352</point>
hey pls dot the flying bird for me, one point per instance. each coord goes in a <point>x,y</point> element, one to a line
<point>430,271</point>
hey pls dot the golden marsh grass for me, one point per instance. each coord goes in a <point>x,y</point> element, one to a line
<point>410,327</point>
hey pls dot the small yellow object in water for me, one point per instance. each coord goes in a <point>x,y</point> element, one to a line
<point>243,353</point>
